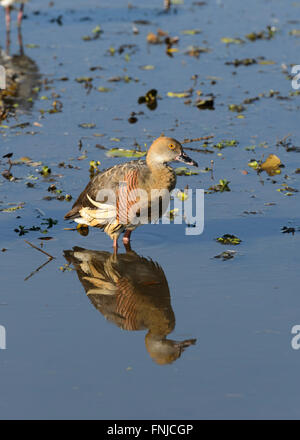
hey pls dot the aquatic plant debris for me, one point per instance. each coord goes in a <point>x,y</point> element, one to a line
<point>229,239</point>
<point>121,152</point>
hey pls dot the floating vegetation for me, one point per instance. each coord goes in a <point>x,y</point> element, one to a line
<point>271,165</point>
<point>121,152</point>
<point>226,255</point>
<point>96,32</point>
<point>289,230</point>
<point>228,40</point>
<point>222,186</point>
<point>205,103</point>
<point>185,171</point>
<point>195,51</point>
<point>150,99</point>
<point>236,108</point>
<point>229,239</point>
<point>45,171</point>
<point>13,208</point>
<point>87,125</point>
<point>266,34</point>
<point>287,190</point>
<point>242,62</point>
<point>226,143</point>
<point>191,31</point>
<point>295,32</point>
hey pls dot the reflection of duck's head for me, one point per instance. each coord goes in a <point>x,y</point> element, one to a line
<point>133,292</point>
<point>165,351</point>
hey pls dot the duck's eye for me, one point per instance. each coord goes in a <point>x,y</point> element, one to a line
<point>172,146</point>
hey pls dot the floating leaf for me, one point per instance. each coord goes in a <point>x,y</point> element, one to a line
<point>228,40</point>
<point>266,62</point>
<point>253,164</point>
<point>271,165</point>
<point>236,108</point>
<point>120,152</point>
<point>32,46</point>
<point>45,171</point>
<point>13,208</point>
<point>104,89</point>
<point>178,94</point>
<point>87,125</point>
<point>147,67</point>
<point>295,32</point>
<point>191,31</point>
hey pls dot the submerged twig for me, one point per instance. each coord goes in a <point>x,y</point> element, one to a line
<point>39,268</point>
<point>41,250</point>
<point>50,258</point>
<point>203,138</point>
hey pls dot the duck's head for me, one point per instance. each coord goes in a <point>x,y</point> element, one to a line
<point>166,149</point>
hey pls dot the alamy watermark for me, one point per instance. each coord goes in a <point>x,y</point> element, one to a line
<point>137,206</point>
<point>295,342</point>
<point>296,80</point>
<point>2,77</point>
<point>2,337</point>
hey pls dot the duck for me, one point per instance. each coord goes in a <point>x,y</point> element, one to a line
<point>154,173</point>
<point>132,292</point>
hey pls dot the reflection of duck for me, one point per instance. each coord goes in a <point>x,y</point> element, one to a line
<point>22,77</point>
<point>133,292</point>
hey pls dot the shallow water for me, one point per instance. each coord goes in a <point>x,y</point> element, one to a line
<point>63,358</point>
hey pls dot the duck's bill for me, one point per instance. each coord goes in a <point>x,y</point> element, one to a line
<point>186,159</point>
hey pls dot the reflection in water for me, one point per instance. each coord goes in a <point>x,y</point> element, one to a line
<point>133,292</point>
<point>22,81</point>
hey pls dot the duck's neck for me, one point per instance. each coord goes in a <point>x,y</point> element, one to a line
<point>162,175</point>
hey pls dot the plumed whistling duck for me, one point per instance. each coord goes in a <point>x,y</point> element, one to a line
<point>154,173</point>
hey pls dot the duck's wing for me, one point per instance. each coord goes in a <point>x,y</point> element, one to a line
<point>109,179</point>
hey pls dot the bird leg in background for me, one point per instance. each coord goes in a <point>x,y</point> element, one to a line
<point>20,14</point>
<point>20,39</point>
<point>7,22</point>
<point>167,4</point>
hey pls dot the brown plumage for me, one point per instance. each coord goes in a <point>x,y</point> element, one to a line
<point>124,180</point>
<point>132,292</point>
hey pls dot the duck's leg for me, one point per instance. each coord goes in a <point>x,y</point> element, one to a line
<point>126,241</point>
<point>126,237</point>
<point>7,22</point>
<point>115,245</point>
<point>20,15</point>
<point>167,4</point>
